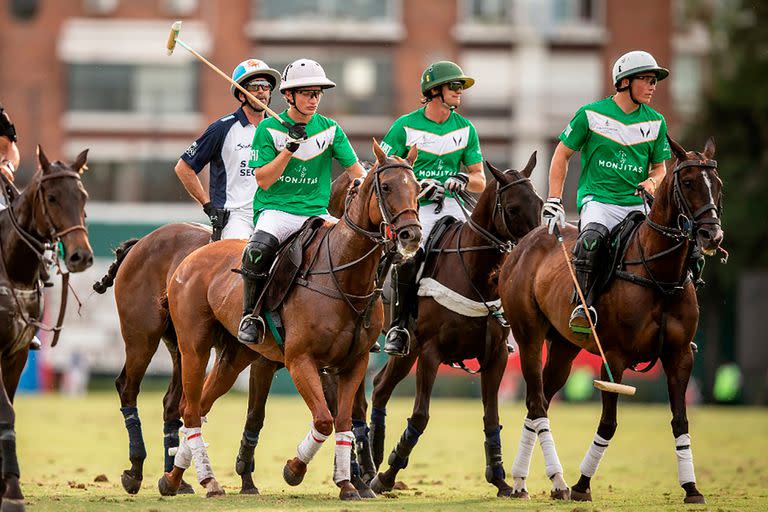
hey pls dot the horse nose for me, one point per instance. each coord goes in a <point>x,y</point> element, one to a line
<point>79,260</point>
<point>711,237</point>
<point>409,235</point>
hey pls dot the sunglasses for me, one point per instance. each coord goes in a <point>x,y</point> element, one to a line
<point>310,93</point>
<point>258,86</point>
<point>649,79</point>
<point>455,85</point>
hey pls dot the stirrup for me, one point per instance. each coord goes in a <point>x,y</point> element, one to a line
<point>397,342</point>
<point>578,314</point>
<point>251,330</point>
<point>35,344</point>
<point>375,348</point>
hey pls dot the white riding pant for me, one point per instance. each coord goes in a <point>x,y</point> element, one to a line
<point>239,225</point>
<point>2,203</point>
<point>429,218</point>
<point>609,215</point>
<point>283,224</point>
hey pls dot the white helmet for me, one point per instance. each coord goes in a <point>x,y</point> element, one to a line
<point>636,62</point>
<point>304,73</point>
<point>248,69</point>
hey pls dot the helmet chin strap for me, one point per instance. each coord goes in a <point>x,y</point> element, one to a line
<point>629,86</point>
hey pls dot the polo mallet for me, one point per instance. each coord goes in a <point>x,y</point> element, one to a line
<point>173,40</point>
<point>612,386</point>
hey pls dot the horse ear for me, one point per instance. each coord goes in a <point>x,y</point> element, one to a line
<point>496,173</point>
<point>528,170</point>
<point>677,149</point>
<point>413,153</point>
<point>380,155</point>
<point>79,165</point>
<point>709,148</point>
<point>45,164</point>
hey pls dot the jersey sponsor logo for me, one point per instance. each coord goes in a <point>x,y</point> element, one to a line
<point>624,134</point>
<point>254,155</point>
<point>240,146</point>
<point>437,144</point>
<point>311,148</point>
<point>568,130</point>
<point>191,150</point>
<point>386,147</point>
<point>620,164</point>
<point>298,176</point>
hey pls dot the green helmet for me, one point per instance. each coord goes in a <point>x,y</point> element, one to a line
<point>442,72</point>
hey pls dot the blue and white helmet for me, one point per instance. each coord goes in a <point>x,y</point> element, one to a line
<point>251,68</point>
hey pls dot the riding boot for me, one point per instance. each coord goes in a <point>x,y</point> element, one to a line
<point>587,253</point>
<point>404,300</point>
<point>258,257</point>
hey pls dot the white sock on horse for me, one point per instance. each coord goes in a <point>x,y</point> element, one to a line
<point>594,456</point>
<point>343,456</point>
<point>551,461</point>
<point>199,454</point>
<point>684,454</point>
<point>523,457</point>
<point>309,446</point>
<point>183,456</point>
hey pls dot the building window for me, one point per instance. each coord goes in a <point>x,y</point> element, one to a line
<point>326,9</point>
<point>24,10</point>
<point>133,181</point>
<point>133,88</point>
<point>574,12</point>
<point>488,11</point>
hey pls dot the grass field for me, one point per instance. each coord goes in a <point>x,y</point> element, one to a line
<point>64,442</point>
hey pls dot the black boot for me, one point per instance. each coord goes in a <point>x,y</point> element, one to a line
<point>258,257</point>
<point>586,253</point>
<point>404,299</point>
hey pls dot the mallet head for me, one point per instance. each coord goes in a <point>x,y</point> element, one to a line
<point>171,44</point>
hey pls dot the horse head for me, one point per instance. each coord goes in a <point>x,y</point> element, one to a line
<point>696,195</point>
<point>59,200</point>
<point>517,206</point>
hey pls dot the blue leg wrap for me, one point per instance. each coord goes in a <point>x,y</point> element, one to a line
<point>136,450</point>
<point>170,440</point>
<point>398,459</point>
<point>378,416</point>
<point>244,463</point>
<point>494,467</point>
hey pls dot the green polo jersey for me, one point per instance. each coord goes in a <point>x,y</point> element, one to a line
<point>442,147</point>
<point>304,188</point>
<point>617,150</point>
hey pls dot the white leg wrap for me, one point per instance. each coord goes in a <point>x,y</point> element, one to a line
<point>684,454</point>
<point>183,456</point>
<point>309,446</point>
<point>551,461</point>
<point>199,454</point>
<point>524,452</point>
<point>594,456</point>
<point>342,458</point>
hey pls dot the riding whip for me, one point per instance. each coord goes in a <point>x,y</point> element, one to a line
<point>612,386</point>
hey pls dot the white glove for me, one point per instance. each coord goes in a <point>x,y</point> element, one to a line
<point>457,183</point>
<point>432,190</point>
<point>553,214</point>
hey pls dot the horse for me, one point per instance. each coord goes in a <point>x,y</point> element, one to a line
<point>140,274</point>
<point>463,260</point>
<point>647,311</point>
<point>51,209</point>
<point>331,319</point>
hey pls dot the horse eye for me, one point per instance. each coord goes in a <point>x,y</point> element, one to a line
<point>51,198</point>
<point>687,183</point>
<point>385,187</point>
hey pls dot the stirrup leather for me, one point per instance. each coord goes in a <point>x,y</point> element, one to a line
<point>578,314</point>
<point>251,330</point>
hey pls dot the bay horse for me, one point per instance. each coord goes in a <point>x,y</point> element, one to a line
<point>647,311</point>
<point>140,274</point>
<point>464,260</point>
<point>51,209</point>
<point>331,320</point>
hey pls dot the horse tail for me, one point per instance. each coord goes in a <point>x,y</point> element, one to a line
<point>120,253</point>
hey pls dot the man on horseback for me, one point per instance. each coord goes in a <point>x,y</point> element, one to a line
<point>445,140</point>
<point>293,172</point>
<point>225,145</point>
<point>9,153</point>
<point>623,145</point>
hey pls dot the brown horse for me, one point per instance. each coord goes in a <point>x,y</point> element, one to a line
<point>648,310</point>
<point>140,274</point>
<point>331,320</point>
<point>49,210</point>
<point>463,261</point>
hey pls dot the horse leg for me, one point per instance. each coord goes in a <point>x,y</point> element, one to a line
<point>390,375</point>
<point>12,497</point>
<point>304,371</point>
<point>262,372</point>
<point>429,360</point>
<point>605,431</point>
<point>560,356</point>
<point>490,379</point>
<point>171,413</point>
<point>678,363</point>
<point>365,466</point>
<point>349,384</point>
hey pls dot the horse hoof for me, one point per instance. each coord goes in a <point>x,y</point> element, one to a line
<point>213,489</point>
<point>520,495</point>
<point>378,486</point>
<point>12,505</point>
<point>346,495</point>
<point>697,499</point>
<point>505,492</point>
<point>185,488</point>
<point>581,496</point>
<point>292,478</point>
<point>165,487</point>
<point>362,488</point>
<point>130,483</point>
<point>249,490</point>
<point>560,494</point>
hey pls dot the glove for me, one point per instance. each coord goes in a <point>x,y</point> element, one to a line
<point>456,183</point>
<point>553,214</point>
<point>296,135</point>
<point>208,209</point>
<point>432,190</point>
<point>6,167</point>
<point>6,126</point>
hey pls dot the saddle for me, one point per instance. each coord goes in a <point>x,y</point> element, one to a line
<point>433,247</point>
<point>618,243</point>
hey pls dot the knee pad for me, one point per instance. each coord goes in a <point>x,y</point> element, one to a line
<point>590,242</point>
<point>260,252</point>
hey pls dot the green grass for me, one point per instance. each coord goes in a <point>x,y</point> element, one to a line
<point>62,440</point>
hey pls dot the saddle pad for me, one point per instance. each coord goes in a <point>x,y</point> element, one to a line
<point>456,302</point>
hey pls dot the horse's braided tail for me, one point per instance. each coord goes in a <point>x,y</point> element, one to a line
<point>120,253</point>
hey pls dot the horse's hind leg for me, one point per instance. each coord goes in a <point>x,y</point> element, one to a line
<point>12,498</point>
<point>171,414</point>
<point>429,360</point>
<point>260,380</point>
<point>390,375</point>
<point>678,363</point>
